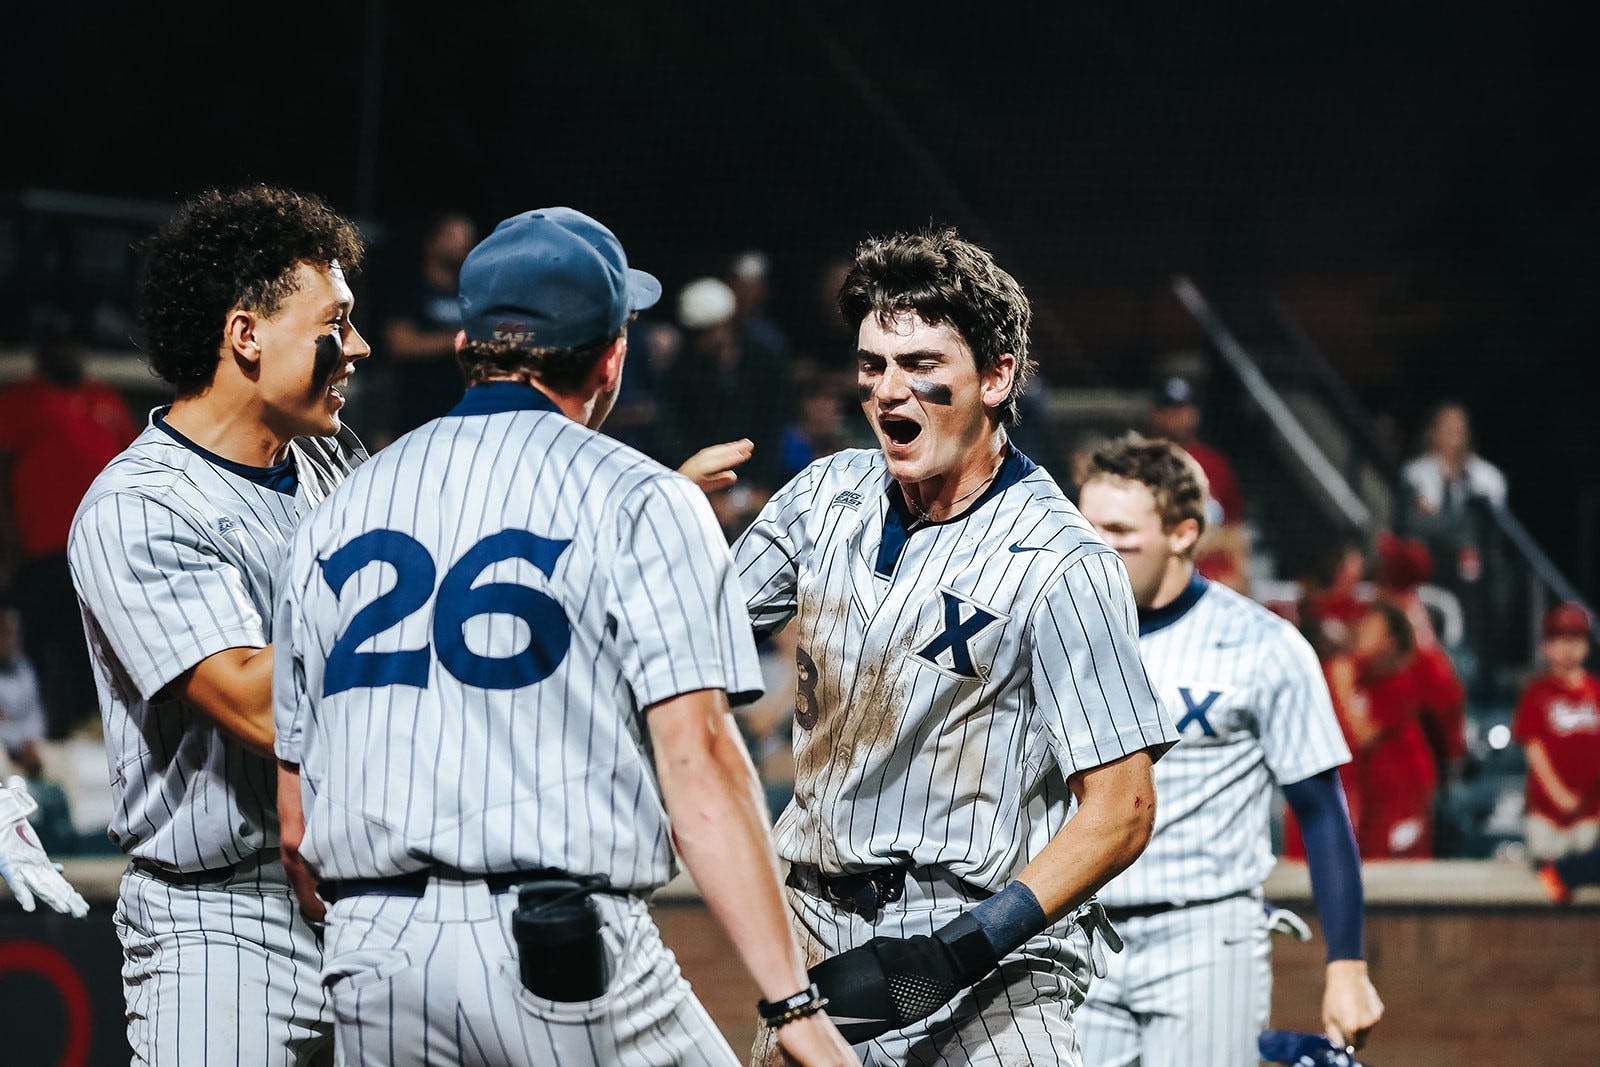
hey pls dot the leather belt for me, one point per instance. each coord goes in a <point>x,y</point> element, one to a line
<point>862,894</point>
<point>1145,911</point>
<point>415,883</point>
<point>209,876</point>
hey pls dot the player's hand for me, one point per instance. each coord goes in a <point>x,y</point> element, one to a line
<point>891,982</point>
<point>23,863</point>
<point>1350,1006</point>
<point>814,1042</point>
<point>712,467</point>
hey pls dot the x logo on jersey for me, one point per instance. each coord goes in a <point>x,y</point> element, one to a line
<point>1196,711</point>
<point>957,635</point>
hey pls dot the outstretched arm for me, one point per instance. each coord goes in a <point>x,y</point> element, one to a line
<point>1350,1004</point>
<point>719,824</point>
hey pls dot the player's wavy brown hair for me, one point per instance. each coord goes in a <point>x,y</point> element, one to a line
<point>1174,478</point>
<point>562,369</point>
<point>944,279</point>
<point>225,250</point>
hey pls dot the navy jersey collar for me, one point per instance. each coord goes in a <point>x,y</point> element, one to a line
<point>281,477</point>
<point>899,523</point>
<point>493,398</point>
<point>1153,619</point>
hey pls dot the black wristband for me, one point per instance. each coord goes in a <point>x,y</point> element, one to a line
<point>808,1001</point>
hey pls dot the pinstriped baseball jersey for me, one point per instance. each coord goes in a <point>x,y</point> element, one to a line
<point>952,675</point>
<point>1252,708</point>
<point>174,552</point>
<point>469,631</point>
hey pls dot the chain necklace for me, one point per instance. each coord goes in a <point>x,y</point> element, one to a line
<point>923,517</point>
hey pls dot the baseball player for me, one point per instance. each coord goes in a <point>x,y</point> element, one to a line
<point>968,663</point>
<point>507,647</point>
<point>246,311</point>
<point>1194,984</point>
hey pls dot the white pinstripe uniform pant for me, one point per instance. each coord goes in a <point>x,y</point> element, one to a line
<point>435,980</point>
<point>1192,987</point>
<point>1021,1014</point>
<point>221,974</point>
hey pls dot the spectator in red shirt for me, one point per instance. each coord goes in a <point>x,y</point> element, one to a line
<point>58,429</point>
<point>1558,725</point>
<point>1393,766</point>
<point>1403,565</point>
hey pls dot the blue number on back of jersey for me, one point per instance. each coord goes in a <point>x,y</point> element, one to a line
<point>458,601</point>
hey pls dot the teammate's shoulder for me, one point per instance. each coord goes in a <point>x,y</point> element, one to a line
<point>149,466</point>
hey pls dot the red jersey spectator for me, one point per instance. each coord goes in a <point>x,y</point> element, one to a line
<point>58,429</point>
<point>1404,564</point>
<point>1558,724</point>
<point>1394,770</point>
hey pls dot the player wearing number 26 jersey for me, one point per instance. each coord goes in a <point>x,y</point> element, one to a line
<point>506,650</point>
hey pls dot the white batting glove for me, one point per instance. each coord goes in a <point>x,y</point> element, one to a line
<point>23,863</point>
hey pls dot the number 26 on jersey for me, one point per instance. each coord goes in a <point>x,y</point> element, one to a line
<point>457,601</point>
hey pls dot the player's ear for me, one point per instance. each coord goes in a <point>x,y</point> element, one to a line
<point>1184,536</point>
<point>609,368</point>
<point>239,338</point>
<point>996,381</point>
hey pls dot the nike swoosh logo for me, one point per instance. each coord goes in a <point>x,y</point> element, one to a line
<point>1020,547</point>
<point>846,1020</point>
<point>1237,940</point>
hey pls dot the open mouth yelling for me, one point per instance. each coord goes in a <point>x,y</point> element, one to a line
<point>900,431</point>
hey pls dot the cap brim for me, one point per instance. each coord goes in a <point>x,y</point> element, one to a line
<point>643,289</point>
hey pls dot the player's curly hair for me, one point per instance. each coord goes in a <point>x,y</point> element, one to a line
<point>562,369</point>
<point>944,279</point>
<point>228,249</point>
<point>1173,476</point>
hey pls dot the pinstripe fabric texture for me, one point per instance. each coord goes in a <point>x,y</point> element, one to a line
<point>174,556</point>
<point>953,675</point>
<point>1193,985</point>
<point>470,631</point>
<point>174,559</point>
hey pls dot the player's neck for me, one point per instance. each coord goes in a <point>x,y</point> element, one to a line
<point>231,427</point>
<point>1180,572</point>
<point>1568,677</point>
<point>942,498</point>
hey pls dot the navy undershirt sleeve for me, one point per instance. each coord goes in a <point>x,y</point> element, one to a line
<point>1318,803</point>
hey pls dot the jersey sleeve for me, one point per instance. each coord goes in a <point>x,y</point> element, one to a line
<point>289,698</point>
<point>767,555</point>
<point>677,610</point>
<point>1299,731</point>
<point>163,596</point>
<point>1089,683</point>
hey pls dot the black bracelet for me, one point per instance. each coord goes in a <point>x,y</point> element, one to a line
<point>808,1001</point>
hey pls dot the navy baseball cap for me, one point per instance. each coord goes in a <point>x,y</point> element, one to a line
<point>551,278</point>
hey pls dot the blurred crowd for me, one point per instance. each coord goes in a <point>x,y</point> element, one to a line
<point>716,363</point>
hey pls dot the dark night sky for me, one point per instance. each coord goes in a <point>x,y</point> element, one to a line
<point>1430,165</point>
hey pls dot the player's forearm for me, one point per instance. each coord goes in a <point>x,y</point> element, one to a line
<point>233,689</point>
<point>719,824</point>
<point>1332,861</point>
<point>291,832</point>
<point>1116,814</point>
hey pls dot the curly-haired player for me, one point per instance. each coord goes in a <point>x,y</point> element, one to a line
<point>246,313</point>
<point>1193,985</point>
<point>970,664</point>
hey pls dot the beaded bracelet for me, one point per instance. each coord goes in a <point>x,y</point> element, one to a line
<point>808,1001</point>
